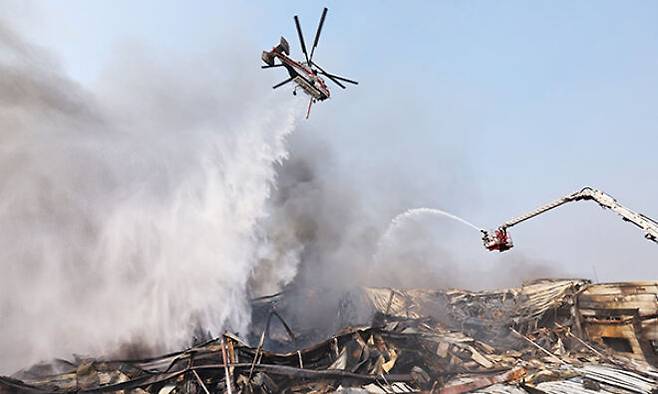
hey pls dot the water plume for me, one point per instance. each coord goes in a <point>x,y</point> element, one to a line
<point>416,212</point>
<point>129,213</point>
<point>413,214</point>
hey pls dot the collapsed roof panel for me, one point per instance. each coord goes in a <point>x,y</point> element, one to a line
<point>543,337</point>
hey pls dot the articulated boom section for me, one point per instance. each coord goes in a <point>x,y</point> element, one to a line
<point>500,240</point>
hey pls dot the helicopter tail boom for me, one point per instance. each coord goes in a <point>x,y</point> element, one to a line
<point>282,48</point>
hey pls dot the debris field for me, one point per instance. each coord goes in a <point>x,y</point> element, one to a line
<point>547,336</point>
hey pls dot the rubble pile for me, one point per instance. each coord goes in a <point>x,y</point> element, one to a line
<point>549,336</point>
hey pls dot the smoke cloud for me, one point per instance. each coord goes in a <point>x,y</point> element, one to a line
<point>128,214</point>
<point>343,234</point>
<point>152,205</point>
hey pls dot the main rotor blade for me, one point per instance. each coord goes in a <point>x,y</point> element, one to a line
<point>317,34</point>
<point>329,76</point>
<point>278,85</point>
<point>301,37</point>
<point>273,66</point>
<point>334,78</point>
<point>342,78</point>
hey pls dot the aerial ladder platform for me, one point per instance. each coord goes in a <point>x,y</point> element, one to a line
<point>499,239</point>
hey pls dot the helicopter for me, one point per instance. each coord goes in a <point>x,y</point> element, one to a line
<point>305,74</point>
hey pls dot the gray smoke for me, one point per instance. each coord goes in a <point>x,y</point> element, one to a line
<point>129,213</point>
<point>142,209</point>
<point>325,232</point>
<point>335,225</point>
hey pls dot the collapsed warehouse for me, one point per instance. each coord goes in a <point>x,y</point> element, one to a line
<point>547,336</point>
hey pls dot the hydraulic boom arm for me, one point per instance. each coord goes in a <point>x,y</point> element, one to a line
<point>499,240</point>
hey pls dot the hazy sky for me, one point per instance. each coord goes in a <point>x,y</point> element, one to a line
<point>536,98</point>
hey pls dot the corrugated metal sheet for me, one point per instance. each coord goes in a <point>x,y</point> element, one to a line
<point>501,389</point>
<point>623,379</point>
<point>406,348</point>
<point>569,387</point>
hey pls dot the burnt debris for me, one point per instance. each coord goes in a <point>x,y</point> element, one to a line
<point>548,336</point>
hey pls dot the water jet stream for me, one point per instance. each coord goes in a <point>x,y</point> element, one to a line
<point>411,214</point>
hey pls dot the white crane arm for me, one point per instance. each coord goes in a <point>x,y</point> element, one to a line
<point>498,239</point>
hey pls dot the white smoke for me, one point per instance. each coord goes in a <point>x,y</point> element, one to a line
<point>130,213</point>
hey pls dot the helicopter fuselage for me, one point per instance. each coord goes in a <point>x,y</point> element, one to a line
<point>304,76</point>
